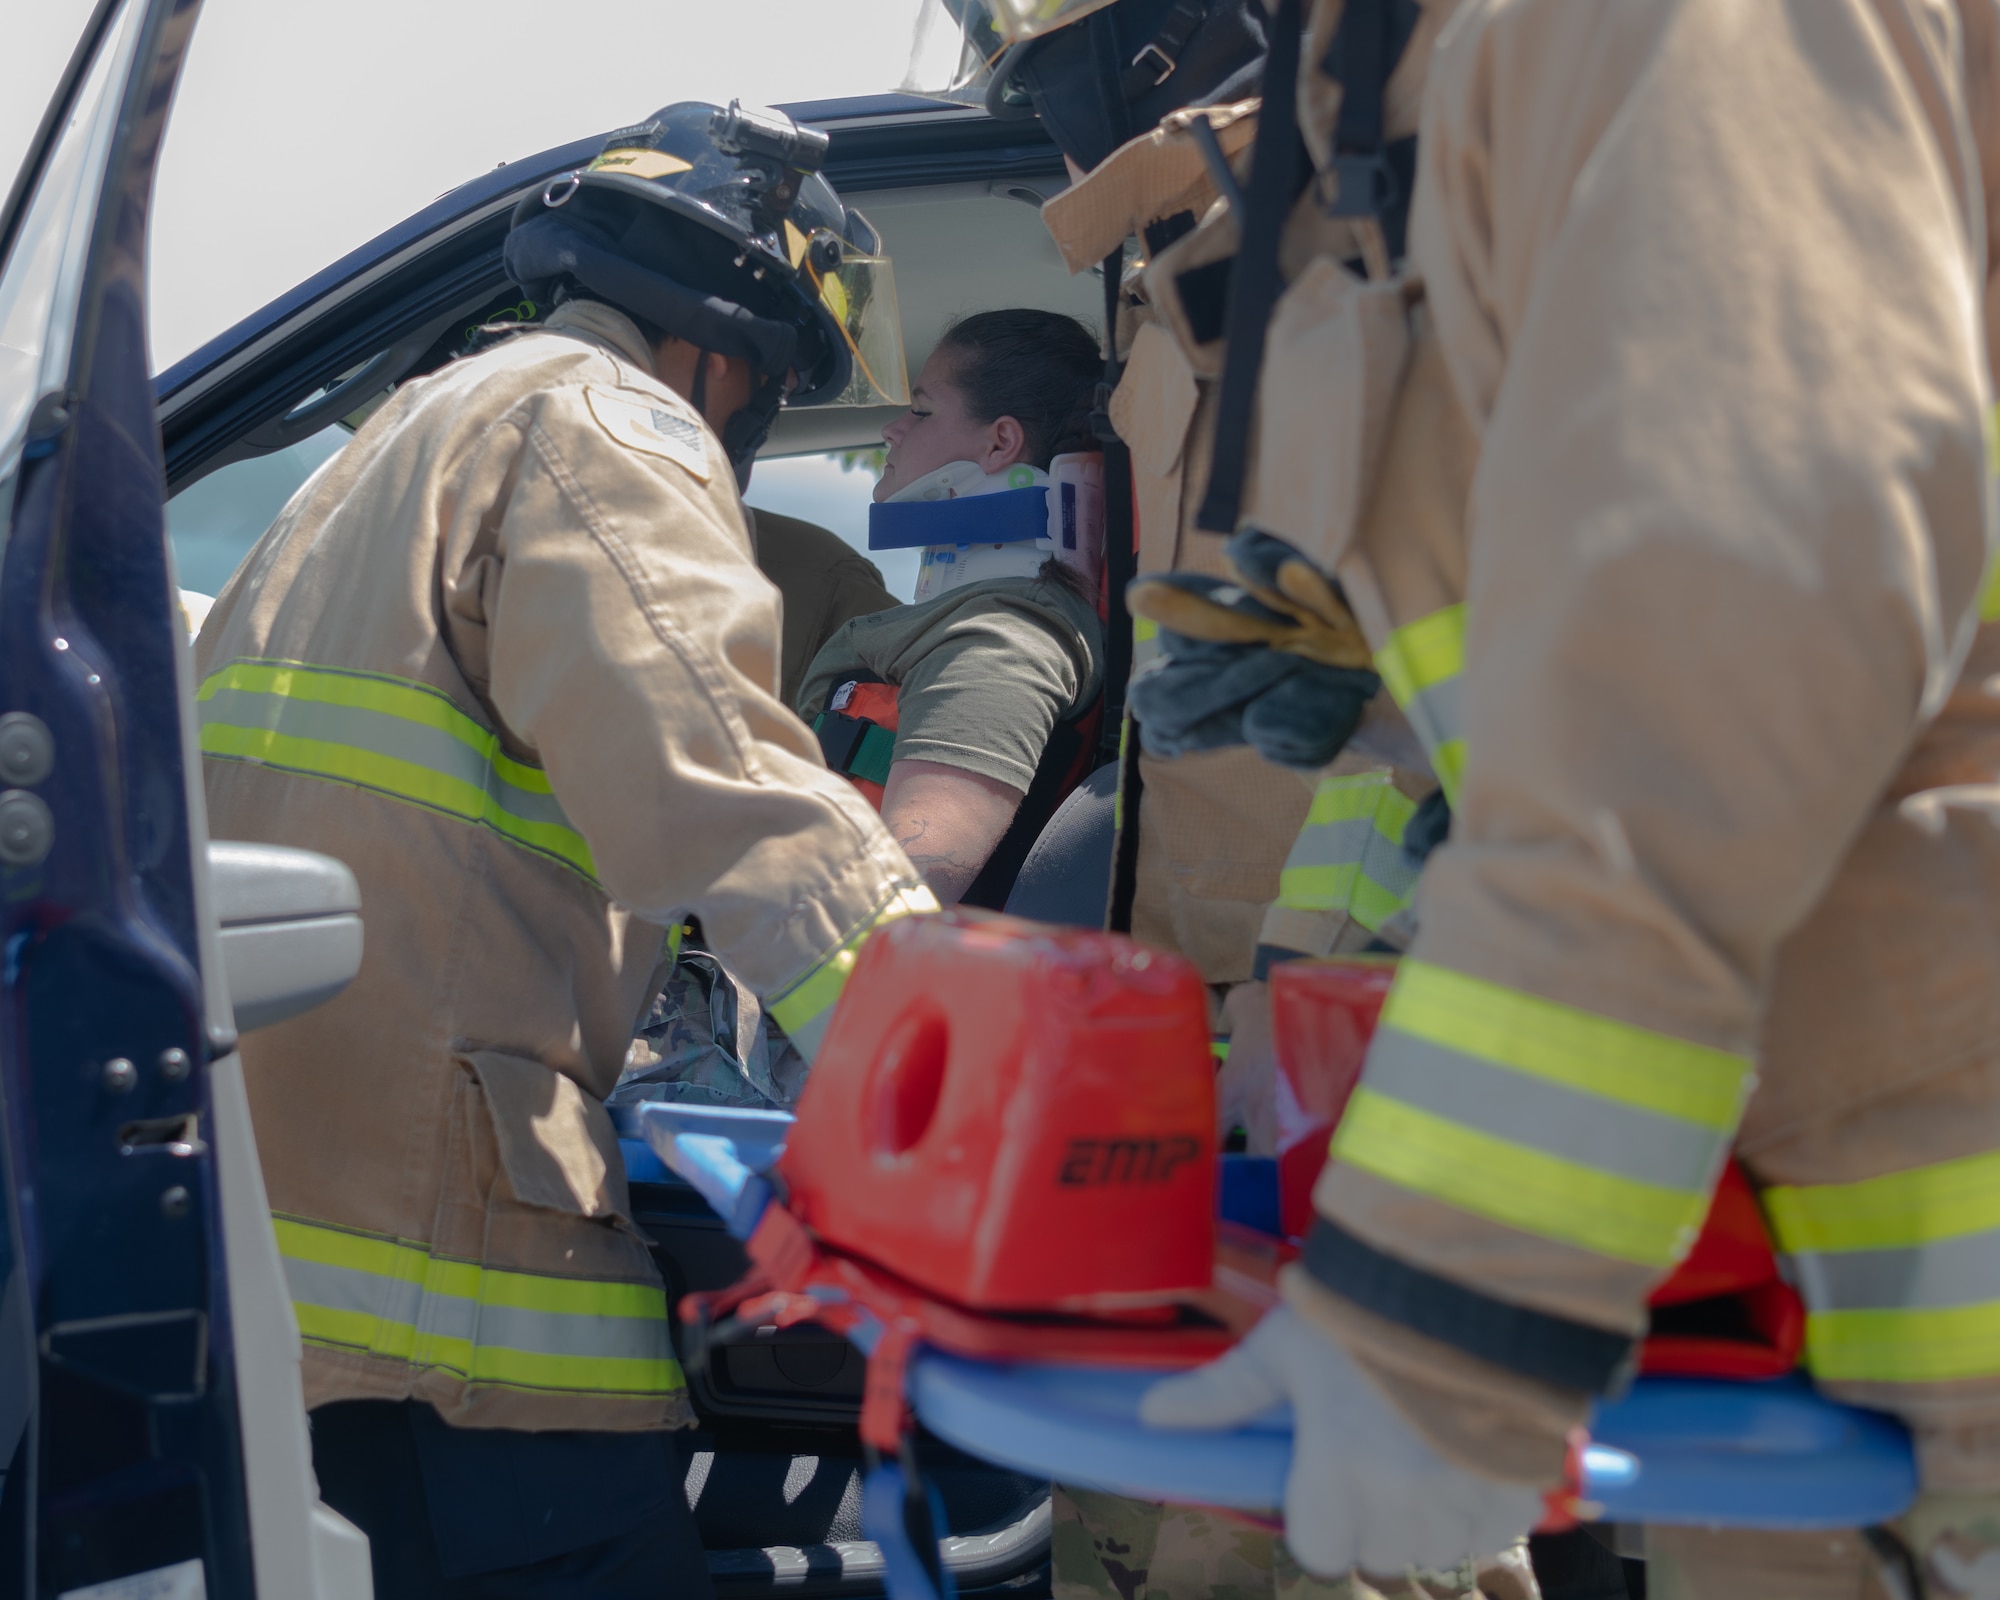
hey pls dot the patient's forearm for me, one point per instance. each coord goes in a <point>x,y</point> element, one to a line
<point>947,821</point>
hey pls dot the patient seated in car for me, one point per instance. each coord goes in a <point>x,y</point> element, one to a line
<point>967,715</point>
<point>986,681</point>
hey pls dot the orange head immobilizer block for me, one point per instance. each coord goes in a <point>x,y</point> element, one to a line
<point>1013,1117</point>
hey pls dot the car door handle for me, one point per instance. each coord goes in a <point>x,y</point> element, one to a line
<point>290,925</point>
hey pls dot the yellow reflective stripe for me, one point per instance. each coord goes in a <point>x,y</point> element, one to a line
<point>474,1363</point>
<point>398,1300</point>
<point>1219,1049</point>
<point>469,1280</point>
<point>804,1008</point>
<point>1348,856</point>
<point>1989,595</point>
<point>1118,794</point>
<point>1901,1273</point>
<point>1319,888</point>
<point>1517,1187</point>
<point>1918,1346</point>
<point>1944,1200</point>
<point>401,739</point>
<point>1421,664</point>
<point>1630,1065</point>
<point>1375,903</point>
<point>1448,759</point>
<point>1345,886</point>
<point>1423,653</point>
<point>1145,642</point>
<point>1361,796</point>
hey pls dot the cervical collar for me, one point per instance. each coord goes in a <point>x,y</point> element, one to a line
<point>973,525</point>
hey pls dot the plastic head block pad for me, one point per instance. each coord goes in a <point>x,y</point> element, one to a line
<point>1323,1013</point>
<point>1013,1117</point>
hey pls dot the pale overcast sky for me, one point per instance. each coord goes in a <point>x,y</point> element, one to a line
<point>304,127</point>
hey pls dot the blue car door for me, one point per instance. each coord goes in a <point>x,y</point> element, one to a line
<point>118,1410</point>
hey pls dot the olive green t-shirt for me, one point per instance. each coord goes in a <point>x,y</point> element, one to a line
<point>984,672</point>
<point>823,582</point>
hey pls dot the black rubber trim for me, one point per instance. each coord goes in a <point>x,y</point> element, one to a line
<point>1572,1355</point>
<point>1121,554</point>
<point>1125,848</point>
<point>1273,955</point>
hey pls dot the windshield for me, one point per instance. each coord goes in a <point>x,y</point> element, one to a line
<point>42,276</point>
<point>300,132</point>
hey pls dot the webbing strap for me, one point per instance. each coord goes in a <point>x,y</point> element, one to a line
<point>1157,58</point>
<point>855,747</point>
<point>1374,180</point>
<point>1373,175</point>
<point>1254,282</point>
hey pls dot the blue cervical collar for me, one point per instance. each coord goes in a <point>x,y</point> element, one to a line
<point>1008,517</point>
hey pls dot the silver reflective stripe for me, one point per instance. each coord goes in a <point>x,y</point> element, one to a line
<point>1436,715</point>
<point>1323,848</point>
<point>1938,1276</point>
<point>1386,863</point>
<point>549,1333</point>
<point>397,737</point>
<point>1526,1110</point>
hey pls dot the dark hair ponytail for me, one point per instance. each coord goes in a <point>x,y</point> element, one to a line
<point>1038,367</point>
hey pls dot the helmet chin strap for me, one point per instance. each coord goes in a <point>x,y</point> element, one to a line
<point>744,434</point>
<point>700,395</point>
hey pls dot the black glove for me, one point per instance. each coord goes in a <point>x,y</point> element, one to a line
<point>1429,826</point>
<point>1211,693</point>
<point>1275,661</point>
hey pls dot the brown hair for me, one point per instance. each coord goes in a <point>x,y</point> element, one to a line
<point>1039,367</point>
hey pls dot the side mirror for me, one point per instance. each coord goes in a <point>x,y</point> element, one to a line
<point>291,928</point>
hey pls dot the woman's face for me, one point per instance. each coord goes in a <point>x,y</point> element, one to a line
<point>939,429</point>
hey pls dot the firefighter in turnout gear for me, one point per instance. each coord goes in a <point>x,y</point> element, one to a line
<point>1656,477</point>
<point>1230,850</point>
<point>1725,889</point>
<point>508,655</point>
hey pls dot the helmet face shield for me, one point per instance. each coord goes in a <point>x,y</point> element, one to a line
<point>717,226</point>
<point>957,43</point>
<point>859,294</point>
<point>1016,20</point>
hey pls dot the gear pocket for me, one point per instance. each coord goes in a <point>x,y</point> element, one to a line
<point>1334,363</point>
<point>545,1175</point>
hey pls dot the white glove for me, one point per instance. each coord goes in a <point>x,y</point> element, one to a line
<point>1365,1490</point>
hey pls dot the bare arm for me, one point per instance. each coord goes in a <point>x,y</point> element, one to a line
<point>947,820</point>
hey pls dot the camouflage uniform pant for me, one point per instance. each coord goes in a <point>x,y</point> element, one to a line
<point>1107,1548</point>
<point>1953,1539</point>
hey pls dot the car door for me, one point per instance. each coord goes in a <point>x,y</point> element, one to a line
<point>135,1302</point>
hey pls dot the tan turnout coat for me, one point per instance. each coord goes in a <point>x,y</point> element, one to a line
<point>1669,523</point>
<point>508,656</point>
